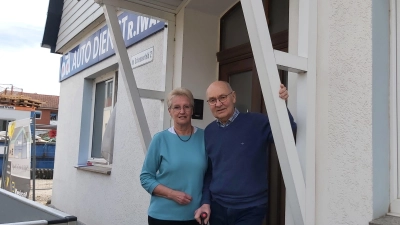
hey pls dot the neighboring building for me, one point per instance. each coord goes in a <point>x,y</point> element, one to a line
<point>346,104</point>
<point>47,113</point>
<point>14,105</point>
<point>9,113</point>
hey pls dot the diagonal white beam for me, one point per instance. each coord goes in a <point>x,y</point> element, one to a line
<point>290,62</point>
<point>139,8</point>
<point>127,75</point>
<point>269,79</point>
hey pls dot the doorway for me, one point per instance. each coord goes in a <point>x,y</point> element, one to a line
<point>237,66</point>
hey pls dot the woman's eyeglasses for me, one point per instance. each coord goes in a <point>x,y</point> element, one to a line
<point>178,108</point>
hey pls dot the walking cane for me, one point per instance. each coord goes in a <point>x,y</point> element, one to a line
<point>203,216</point>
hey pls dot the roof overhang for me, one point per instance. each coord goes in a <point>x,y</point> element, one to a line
<point>52,27</point>
<point>162,9</point>
<point>167,9</point>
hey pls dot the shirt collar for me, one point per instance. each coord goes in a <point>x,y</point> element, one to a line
<point>230,120</point>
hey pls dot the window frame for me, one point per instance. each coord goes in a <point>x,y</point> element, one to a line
<point>111,76</point>
<point>394,99</point>
<point>38,112</point>
<point>56,116</point>
<point>106,92</point>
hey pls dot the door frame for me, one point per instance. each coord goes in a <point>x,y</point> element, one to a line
<point>240,59</point>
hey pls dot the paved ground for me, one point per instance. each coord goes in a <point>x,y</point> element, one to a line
<point>43,191</point>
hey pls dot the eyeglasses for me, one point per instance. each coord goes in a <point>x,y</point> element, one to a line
<point>221,98</point>
<point>178,108</point>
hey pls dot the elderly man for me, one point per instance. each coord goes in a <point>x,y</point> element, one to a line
<point>235,188</point>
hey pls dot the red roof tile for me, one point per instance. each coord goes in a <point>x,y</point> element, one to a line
<point>50,101</point>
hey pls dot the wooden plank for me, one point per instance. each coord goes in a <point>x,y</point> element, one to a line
<point>78,11</point>
<point>70,10</point>
<point>68,4</point>
<point>80,20</point>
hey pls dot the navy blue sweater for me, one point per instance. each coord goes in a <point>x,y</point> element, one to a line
<point>238,160</point>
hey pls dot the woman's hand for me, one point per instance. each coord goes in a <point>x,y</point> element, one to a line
<point>180,197</point>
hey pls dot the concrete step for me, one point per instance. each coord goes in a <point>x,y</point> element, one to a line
<point>386,220</point>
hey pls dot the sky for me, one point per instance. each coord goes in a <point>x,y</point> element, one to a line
<point>23,62</point>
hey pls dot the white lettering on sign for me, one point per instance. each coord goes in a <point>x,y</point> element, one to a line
<point>6,107</point>
<point>98,46</point>
<point>142,58</point>
<point>95,47</point>
<point>21,193</point>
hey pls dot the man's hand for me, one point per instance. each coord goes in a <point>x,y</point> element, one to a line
<point>203,208</point>
<point>180,197</point>
<point>283,93</point>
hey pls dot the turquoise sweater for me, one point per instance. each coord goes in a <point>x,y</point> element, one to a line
<point>178,165</point>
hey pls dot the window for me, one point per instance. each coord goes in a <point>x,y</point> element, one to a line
<point>53,116</point>
<point>233,28</point>
<point>38,115</point>
<point>104,101</point>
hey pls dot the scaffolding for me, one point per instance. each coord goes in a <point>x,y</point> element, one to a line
<point>13,96</point>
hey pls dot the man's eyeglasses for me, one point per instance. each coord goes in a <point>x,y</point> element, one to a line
<point>221,98</point>
<point>178,108</point>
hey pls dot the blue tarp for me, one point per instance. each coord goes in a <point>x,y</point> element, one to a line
<point>45,153</point>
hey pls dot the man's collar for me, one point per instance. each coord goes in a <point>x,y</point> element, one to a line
<point>230,120</point>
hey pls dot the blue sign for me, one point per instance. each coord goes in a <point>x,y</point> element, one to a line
<point>99,46</point>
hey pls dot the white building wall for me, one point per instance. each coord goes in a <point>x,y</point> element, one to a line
<point>344,113</point>
<point>344,152</point>
<point>11,114</point>
<point>96,198</point>
<point>196,66</point>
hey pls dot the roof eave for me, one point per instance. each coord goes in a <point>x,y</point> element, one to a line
<point>52,26</point>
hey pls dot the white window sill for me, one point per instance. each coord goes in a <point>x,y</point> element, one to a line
<point>96,168</point>
<point>100,161</point>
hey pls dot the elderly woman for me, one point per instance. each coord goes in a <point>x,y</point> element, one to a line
<point>175,165</point>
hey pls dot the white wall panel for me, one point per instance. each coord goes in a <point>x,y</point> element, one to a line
<point>77,15</point>
<point>96,198</point>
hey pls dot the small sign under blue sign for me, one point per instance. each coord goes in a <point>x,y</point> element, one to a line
<point>99,46</point>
